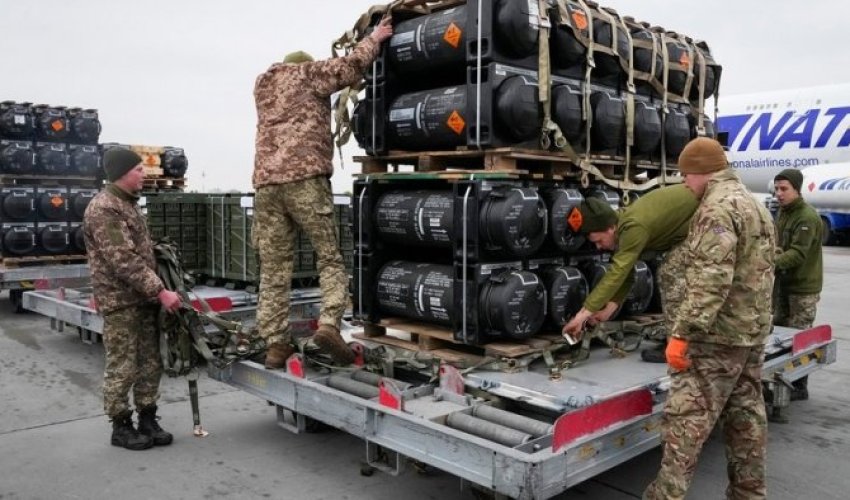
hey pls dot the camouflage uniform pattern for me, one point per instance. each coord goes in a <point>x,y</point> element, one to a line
<point>133,362</point>
<point>125,284</point>
<point>120,251</point>
<point>796,310</point>
<point>723,384</point>
<point>294,140</point>
<point>278,213</point>
<point>731,248</point>
<point>725,317</point>
<point>671,281</point>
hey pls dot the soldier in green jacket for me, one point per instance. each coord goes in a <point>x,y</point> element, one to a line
<point>799,261</point>
<point>657,222</point>
<point>716,347</point>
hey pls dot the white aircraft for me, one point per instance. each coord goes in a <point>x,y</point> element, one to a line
<point>807,129</point>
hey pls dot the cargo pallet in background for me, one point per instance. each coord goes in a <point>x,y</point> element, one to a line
<point>14,262</point>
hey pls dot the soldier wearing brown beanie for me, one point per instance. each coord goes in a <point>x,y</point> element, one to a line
<point>716,344</point>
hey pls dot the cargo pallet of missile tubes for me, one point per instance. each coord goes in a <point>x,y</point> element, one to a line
<point>530,433</point>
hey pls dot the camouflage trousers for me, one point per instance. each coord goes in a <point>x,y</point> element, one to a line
<point>722,385</point>
<point>279,210</point>
<point>671,281</point>
<point>795,310</point>
<point>133,361</point>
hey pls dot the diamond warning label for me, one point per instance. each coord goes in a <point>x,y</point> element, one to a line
<point>452,35</point>
<point>575,219</point>
<point>57,125</point>
<point>456,122</point>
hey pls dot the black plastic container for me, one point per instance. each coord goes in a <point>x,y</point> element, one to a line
<point>84,160</point>
<point>52,158</point>
<point>566,289</point>
<point>561,202</point>
<point>16,157</point>
<point>174,162</point>
<point>53,239</point>
<point>85,126</point>
<point>17,204</point>
<point>77,238</point>
<point>51,123</point>
<point>17,240</point>
<point>16,120</point>
<point>78,200</point>
<point>52,204</point>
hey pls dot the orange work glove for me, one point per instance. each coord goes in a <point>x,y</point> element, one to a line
<point>677,354</point>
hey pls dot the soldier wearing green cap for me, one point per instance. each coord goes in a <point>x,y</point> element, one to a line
<point>799,263</point>
<point>128,294</point>
<point>292,170</point>
<point>656,222</point>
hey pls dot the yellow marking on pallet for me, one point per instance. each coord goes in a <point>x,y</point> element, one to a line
<point>587,452</point>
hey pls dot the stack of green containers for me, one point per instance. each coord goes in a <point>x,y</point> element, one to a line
<point>214,234</point>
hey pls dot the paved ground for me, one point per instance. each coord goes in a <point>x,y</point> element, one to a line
<point>54,438</point>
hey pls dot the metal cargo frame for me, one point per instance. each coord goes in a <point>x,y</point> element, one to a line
<point>597,424</point>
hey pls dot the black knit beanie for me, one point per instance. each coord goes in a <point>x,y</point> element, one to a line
<point>118,161</point>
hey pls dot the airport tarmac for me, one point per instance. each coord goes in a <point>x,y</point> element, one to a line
<point>54,439</point>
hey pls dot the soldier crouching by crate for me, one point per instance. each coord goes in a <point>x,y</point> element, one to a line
<point>128,294</point>
<point>292,170</point>
<point>656,222</point>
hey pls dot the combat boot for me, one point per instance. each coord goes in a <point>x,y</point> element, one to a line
<point>329,341</point>
<point>277,354</point>
<point>149,427</point>
<point>654,354</point>
<point>125,435</point>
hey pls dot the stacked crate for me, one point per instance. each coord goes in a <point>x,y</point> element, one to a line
<point>165,166</point>
<point>50,166</point>
<point>214,234</point>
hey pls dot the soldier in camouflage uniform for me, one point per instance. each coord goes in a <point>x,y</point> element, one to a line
<point>799,264</point>
<point>292,169</point>
<point>716,348</point>
<point>127,293</point>
<point>656,222</point>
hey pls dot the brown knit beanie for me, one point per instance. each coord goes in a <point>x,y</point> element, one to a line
<point>596,215</point>
<point>702,156</point>
<point>793,176</point>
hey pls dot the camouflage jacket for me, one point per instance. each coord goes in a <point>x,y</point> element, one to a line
<point>729,278</point>
<point>294,140</point>
<point>657,221</point>
<point>120,251</point>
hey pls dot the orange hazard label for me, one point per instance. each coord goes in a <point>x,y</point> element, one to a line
<point>684,60</point>
<point>575,219</point>
<point>580,20</point>
<point>57,201</point>
<point>452,35</point>
<point>57,125</point>
<point>456,122</point>
<point>149,159</point>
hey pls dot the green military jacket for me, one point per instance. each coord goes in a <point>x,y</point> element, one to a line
<point>731,246</point>
<point>657,222</point>
<point>799,265</point>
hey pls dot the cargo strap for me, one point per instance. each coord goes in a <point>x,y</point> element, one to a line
<point>346,43</point>
<point>550,131</point>
<point>182,337</point>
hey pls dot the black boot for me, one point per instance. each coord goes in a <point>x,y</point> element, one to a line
<point>149,426</point>
<point>125,435</point>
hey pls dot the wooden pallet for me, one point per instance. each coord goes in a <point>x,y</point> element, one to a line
<point>522,162</point>
<point>11,262</point>
<point>440,342</point>
<point>153,171</point>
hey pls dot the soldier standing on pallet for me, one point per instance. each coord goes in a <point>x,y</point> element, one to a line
<point>716,348</point>
<point>292,170</point>
<point>656,222</point>
<point>799,262</point>
<point>128,293</point>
